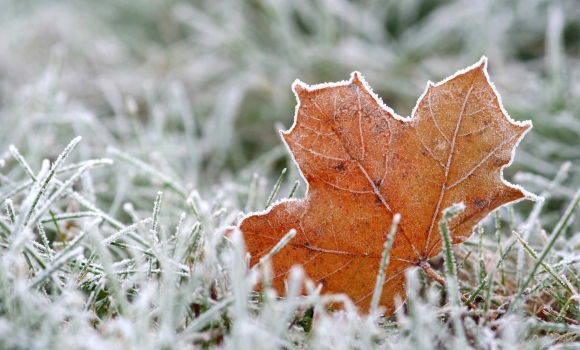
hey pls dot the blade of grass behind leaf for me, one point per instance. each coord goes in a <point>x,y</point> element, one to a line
<point>558,230</point>
<point>560,176</point>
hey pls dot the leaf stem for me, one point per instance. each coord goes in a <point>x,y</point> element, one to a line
<point>432,273</point>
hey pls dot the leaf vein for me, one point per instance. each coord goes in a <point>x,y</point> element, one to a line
<point>447,166</point>
<point>480,163</point>
<point>433,117</point>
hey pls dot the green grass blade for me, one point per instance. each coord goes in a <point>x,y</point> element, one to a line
<point>383,266</point>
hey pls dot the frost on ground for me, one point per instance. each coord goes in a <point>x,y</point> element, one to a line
<point>184,99</point>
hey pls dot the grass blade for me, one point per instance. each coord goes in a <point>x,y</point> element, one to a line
<point>384,262</point>
<point>275,189</point>
<point>558,230</point>
<point>57,164</point>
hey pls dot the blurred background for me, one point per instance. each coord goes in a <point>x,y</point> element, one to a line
<point>198,90</point>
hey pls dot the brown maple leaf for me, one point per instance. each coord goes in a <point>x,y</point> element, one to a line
<point>363,164</point>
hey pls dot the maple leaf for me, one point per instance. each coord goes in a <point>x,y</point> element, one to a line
<point>363,164</point>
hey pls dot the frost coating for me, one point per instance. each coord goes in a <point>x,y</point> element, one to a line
<point>299,88</point>
<point>363,164</point>
<point>482,63</point>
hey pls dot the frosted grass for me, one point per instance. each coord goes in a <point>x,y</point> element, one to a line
<point>191,107</point>
<point>194,287</point>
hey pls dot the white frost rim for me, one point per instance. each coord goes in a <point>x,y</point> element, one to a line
<point>298,87</point>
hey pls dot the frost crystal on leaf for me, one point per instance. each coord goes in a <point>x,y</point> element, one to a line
<point>364,164</point>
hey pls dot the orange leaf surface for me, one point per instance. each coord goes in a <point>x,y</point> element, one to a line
<point>363,164</point>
